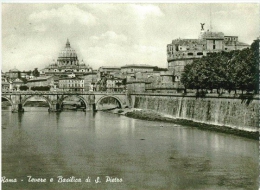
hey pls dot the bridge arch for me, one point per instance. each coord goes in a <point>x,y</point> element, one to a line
<point>108,96</point>
<point>9,100</point>
<point>77,96</point>
<point>28,97</point>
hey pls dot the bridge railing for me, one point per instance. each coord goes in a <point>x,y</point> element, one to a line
<point>58,92</point>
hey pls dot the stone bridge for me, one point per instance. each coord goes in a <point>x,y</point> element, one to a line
<point>55,99</point>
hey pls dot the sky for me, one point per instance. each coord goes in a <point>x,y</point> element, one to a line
<point>113,34</point>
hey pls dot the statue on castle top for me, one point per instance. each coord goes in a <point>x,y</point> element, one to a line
<point>202,26</point>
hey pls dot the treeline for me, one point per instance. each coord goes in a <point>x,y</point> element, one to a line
<point>40,88</point>
<point>232,71</point>
<point>35,88</point>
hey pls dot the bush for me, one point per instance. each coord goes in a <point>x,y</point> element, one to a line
<point>120,111</point>
<point>23,88</point>
<point>40,88</point>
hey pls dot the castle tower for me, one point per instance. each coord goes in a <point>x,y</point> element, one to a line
<point>183,51</point>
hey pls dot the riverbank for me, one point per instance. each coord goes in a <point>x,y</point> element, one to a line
<point>151,115</point>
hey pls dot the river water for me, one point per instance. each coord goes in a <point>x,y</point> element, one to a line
<point>135,154</point>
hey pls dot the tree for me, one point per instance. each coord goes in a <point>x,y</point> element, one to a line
<point>40,88</point>
<point>23,88</point>
<point>36,73</point>
<point>256,51</point>
<point>233,70</point>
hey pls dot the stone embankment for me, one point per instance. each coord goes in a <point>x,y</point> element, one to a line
<point>229,114</point>
<point>152,115</point>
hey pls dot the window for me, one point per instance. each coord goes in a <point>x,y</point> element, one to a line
<point>199,53</point>
<point>190,54</point>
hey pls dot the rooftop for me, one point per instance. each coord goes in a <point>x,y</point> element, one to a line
<point>138,65</point>
<point>39,78</point>
<point>71,78</point>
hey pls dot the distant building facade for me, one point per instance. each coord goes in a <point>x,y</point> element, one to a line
<point>13,73</point>
<point>16,83</point>
<point>5,84</point>
<point>115,84</point>
<point>75,84</point>
<point>134,68</point>
<point>90,82</point>
<point>41,81</point>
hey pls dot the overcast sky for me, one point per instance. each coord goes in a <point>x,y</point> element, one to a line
<point>113,34</point>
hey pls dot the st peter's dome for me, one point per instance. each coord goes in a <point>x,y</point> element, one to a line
<point>68,52</point>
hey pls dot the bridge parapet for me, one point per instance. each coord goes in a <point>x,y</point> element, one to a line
<point>55,98</point>
<point>58,93</point>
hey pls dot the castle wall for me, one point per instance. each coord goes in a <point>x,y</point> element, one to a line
<point>233,112</point>
<point>177,66</point>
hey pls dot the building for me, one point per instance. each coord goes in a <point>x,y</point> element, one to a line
<point>47,81</point>
<point>136,82</point>
<point>90,81</point>
<point>66,63</point>
<point>183,51</point>
<point>75,84</point>
<point>5,84</point>
<point>16,83</point>
<point>134,86</point>
<point>109,69</point>
<point>115,84</point>
<point>13,73</point>
<point>134,68</point>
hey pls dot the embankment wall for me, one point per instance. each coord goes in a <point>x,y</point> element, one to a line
<point>235,112</point>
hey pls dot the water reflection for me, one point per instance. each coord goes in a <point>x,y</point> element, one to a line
<point>144,154</point>
<point>20,117</point>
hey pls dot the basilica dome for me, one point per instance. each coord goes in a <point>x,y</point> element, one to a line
<point>68,52</point>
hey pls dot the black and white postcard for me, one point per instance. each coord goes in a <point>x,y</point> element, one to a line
<point>130,95</point>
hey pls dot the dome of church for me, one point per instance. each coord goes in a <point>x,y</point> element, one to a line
<point>68,52</point>
<point>14,70</point>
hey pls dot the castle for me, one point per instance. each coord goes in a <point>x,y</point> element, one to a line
<point>183,51</point>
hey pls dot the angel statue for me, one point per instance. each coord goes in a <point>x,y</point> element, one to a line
<point>202,26</point>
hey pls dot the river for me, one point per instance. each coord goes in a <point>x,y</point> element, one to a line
<point>134,154</point>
